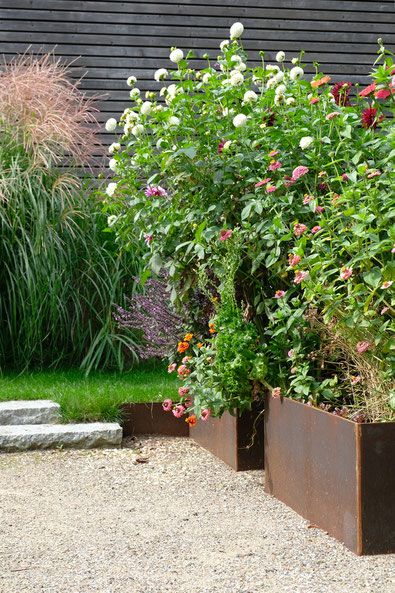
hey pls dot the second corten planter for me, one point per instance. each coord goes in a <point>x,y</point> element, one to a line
<point>230,437</point>
<point>337,474</point>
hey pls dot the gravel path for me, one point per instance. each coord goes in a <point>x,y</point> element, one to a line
<point>177,521</point>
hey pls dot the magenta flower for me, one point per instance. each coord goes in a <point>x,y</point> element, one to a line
<point>291,353</point>
<point>300,276</point>
<point>270,188</point>
<point>293,371</point>
<point>276,393</point>
<point>221,146</point>
<point>299,171</point>
<point>147,238</point>
<point>155,190</point>
<point>315,229</point>
<point>363,346</point>
<point>225,234</point>
<point>384,310</point>
<point>293,260</point>
<point>171,367</point>
<point>183,391</point>
<point>299,229</point>
<point>355,380</point>
<point>178,411</point>
<point>393,249</point>
<point>263,182</point>
<point>314,100</point>
<point>319,209</point>
<point>346,273</point>
<point>273,153</point>
<point>345,176</point>
<point>167,405</point>
<point>205,415</point>
<point>274,165</point>
<point>387,284</point>
<point>332,115</point>
<point>279,294</point>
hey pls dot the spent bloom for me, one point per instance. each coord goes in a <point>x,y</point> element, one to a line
<point>167,405</point>
<point>183,391</point>
<point>293,260</point>
<point>111,124</point>
<point>363,346</point>
<point>300,276</point>
<point>236,30</point>
<point>299,171</point>
<point>299,229</point>
<point>176,56</point>
<point>355,380</point>
<point>204,415</point>
<point>276,393</point>
<point>306,142</point>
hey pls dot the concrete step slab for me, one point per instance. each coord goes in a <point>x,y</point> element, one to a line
<point>40,411</point>
<point>50,436</point>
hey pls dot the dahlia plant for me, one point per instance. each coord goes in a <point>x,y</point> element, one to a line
<point>304,170</point>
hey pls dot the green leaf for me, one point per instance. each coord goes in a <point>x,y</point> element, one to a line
<point>156,263</point>
<point>200,251</point>
<point>218,176</point>
<point>199,231</point>
<point>346,132</point>
<point>373,277</point>
<point>190,151</point>
<point>144,276</point>
<point>246,211</point>
<point>356,157</point>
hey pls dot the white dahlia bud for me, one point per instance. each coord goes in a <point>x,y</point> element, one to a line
<point>111,124</point>
<point>176,55</point>
<point>223,44</point>
<point>280,57</point>
<point>206,77</point>
<point>236,30</point>
<point>134,93</point>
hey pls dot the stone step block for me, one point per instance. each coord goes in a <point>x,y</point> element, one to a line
<point>50,436</point>
<point>40,411</point>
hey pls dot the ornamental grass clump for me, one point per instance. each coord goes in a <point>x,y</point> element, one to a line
<point>304,168</point>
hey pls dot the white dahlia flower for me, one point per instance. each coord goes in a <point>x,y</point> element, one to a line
<point>114,147</point>
<point>236,58</point>
<point>160,74</point>
<point>296,73</point>
<point>138,130</point>
<point>250,97</point>
<point>241,67</point>
<point>134,93</point>
<point>280,90</point>
<point>236,30</point>
<point>111,189</point>
<point>206,77</point>
<point>176,55</point>
<point>131,80</point>
<point>280,57</point>
<point>173,122</point>
<point>236,78</point>
<point>227,144</point>
<point>279,76</point>
<point>111,124</point>
<point>272,68</point>
<point>291,101</point>
<point>146,108</point>
<point>240,120</point>
<point>223,44</point>
<point>306,142</point>
<point>271,82</point>
<point>132,116</point>
<point>113,165</point>
<point>278,99</point>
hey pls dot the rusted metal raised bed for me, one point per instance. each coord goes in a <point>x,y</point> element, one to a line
<point>230,439</point>
<point>336,473</point>
<point>150,418</point>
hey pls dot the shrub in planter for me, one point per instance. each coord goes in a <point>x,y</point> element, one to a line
<point>304,170</point>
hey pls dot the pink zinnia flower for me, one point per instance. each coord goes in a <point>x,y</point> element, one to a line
<point>384,310</point>
<point>393,249</point>
<point>335,199</point>
<point>299,229</point>
<point>346,273</point>
<point>293,371</point>
<point>171,367</point>
<point>271,188</point>
<point>276,392</point>
<point>332,115</point>
<point>355,380</point>
<point>221,146</point>
<point>374,174</point>
<point>300,276</point>
<point>167,405</point>
<point>369,89</point>
<point>345,176</point>
<point>322,173</point>
<point>263,182</point>
<point>293,260</point>
<point>274,165</point>
<point>185,360</point>
<point>147,238</point>
<point>299,171</point>
<point>363,346</point>
<point>307,199</point>
<point>155,190</point>
<point>225,234</point>
<point>182,369</point>
<point>387,284</point>
<point>279,294</point>
<point>273,153</point>
<point>291,353</point>
<point>319,209</point>
<point>205,415</point>
<point>314,100</point>
<point>290,182</point>
<point>383,93</point>
<point>178,411</point>
<point>183,391</point>
<point>315,229</point>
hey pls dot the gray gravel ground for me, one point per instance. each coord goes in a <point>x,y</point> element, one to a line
<point>179,522</point>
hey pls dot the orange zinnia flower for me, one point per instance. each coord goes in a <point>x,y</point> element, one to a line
<point>200,344</point>
<point>212,326</point>
<point>182,346</point>
<point>320,81</point>
<point>192,420</point>
<point>188,337</point>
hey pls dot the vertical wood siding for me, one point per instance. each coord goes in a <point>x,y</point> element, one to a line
<point>116,39</point>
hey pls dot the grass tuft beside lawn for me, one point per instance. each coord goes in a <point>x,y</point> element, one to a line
<point>93,398</point>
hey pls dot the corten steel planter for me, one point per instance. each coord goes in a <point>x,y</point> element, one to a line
<point>336,473</point>
<point>229,438</point>
<point>150,418</point>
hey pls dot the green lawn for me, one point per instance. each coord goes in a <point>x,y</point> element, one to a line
<point>96,397</point>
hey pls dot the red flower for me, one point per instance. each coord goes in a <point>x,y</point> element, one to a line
<point>323,187</point>
<point>340,91</point>
<point>369,118</point>
<point>269,118</point>
<point>369,89</point>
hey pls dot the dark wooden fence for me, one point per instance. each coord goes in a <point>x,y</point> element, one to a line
<point>118,38</point>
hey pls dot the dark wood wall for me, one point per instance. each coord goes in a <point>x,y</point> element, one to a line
<point>115,39</point>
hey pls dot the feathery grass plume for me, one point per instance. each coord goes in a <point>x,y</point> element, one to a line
<point>44,111</point>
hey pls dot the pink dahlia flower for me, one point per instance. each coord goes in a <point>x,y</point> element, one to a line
<point>299,171</point>
<point>205,415</point>
<point>155,190</point>
<point>346,273</point>
<point>293,260</point>
<point>299,229</point>
<point>178,411</point>
<point>167,405</point>
<point>300,276</point>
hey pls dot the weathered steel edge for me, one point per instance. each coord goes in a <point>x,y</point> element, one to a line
<point>150,418</point>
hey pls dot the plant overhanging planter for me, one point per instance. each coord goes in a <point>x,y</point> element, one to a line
<point>230,437</point>
<point>150,418</point>
<point>336,473</point>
